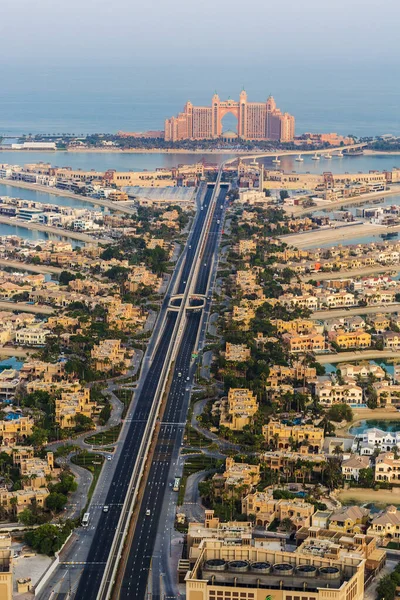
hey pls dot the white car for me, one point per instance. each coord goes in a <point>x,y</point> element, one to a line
<point>105,508</point>
<point>109,457</point>
<point>148,512</point>
<point>187,378</point>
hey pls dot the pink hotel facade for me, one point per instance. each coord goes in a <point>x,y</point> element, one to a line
<point>256,121</point>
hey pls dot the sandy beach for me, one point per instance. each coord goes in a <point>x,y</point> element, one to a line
<point>367,495</point>
<point>335,236</point>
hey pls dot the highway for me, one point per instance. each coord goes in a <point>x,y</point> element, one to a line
<point>107,525</point>
<point>171,431</point>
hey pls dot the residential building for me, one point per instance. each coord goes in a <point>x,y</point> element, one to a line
<point>349,519</point>
<point>386,524</point>
<point>237,352</point>
<point>363,370</point>
<point>108,355</point>
<point>31,336</point>
<point>18,500</point>
<point>238,478</point>
<point>284,436</point>
<point>238,409</point>
<point>266,509</point>
<point>236,532</point>
<point>391,340</point>
<point>367,442</point>
<point>350,339</point>
<point>15,430</point>
<point>312,342</point>
<point>352,466</point>
<point>329,393</point>
<point>387,468</point>
<point>72,404</point>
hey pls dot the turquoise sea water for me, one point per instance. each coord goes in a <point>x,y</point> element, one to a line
<point>372,423</point>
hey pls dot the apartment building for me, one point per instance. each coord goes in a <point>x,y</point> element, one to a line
<point>284,460</point>
<point>236,532</point>
<point>266,573</point>
<point>237,352</point>
<point>323,542</point>
<point>141,276</point>
<point>238,409</point>
<point>125,316</point>
<point>284,436</point>
<point>299,371</point>
<point>6,567</point>
<point>243,314</point>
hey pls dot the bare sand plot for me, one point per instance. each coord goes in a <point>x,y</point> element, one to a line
<point>368,495</point>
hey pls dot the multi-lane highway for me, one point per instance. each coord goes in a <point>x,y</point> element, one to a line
<point>171,430</point>
<point>106,528</point>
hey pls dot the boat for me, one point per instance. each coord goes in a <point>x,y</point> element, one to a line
<point>354,153</point>
<point>299,158</point>
<point>316,157</point>
<point>339,154</point>
<point>327,156</point>
<point>276,161</point>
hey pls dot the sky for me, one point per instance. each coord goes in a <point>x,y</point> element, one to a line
<point>104,65</point>
<point>44,32</point>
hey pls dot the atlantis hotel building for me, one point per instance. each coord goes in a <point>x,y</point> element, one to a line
<point>256,121</point>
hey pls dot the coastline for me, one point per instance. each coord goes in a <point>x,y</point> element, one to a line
<point>63,233</point>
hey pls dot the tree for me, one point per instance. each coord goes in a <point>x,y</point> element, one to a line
<point>366,477</point>
<point>26,517</point>
<point>287,525</point>
<point>38,437</point>
<point>386,589</point>
<point>284,194</point>
<point>56,501</point>
<point>338,412</point>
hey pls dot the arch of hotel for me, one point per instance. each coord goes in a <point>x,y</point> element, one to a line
<point>256,120</point>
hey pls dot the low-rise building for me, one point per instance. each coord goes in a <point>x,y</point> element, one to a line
<point>309,342</point>
<point>386,524</point>
<point>284,436</point>
<point>329,393</point>
<point>15,430</point>
<point>387,468</point>
<point>72,404</point>
<point>350,339</point>
<point>18,500</point>
<point>108,355</point>
<point>352,466</point>
<point>318,541</point>
<point>31,336</point>
<point>266,509</point>
<point>238,478</point>
<point>237,352</point>
<point>349,519</point>
<point>238,409</point>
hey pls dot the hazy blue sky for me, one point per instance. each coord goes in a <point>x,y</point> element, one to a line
<point>148,30</point>
<point>103,65</point>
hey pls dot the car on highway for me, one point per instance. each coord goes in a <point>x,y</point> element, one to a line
<point>179,374</point>
<point>148,512</point>
<point>187,378</point>
<point>105,508</point>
